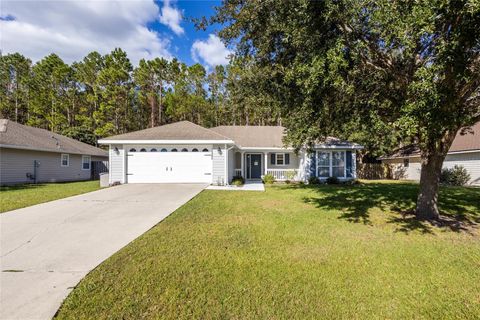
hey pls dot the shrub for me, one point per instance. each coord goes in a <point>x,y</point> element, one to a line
<point>238,181</point>
<point>287,181</point>
<point>456,176</point>
<point>268,179</point>
<point>313,180</point>
<point>290,175</point>
<point>352,182</point>
<point>333,180</point>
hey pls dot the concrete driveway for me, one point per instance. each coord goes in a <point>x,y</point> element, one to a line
<point>48,248</point>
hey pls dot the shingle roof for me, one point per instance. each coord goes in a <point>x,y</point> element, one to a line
<point>183,130</point>
<point>468,141</point>
<point>16,135</point>
<point>253,136</point>
<point>463,142</point>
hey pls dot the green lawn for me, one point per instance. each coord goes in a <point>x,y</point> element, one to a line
<point>20,196</point>
<point>295,253</point>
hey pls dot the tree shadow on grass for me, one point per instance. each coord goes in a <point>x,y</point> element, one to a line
<point>460,207</point>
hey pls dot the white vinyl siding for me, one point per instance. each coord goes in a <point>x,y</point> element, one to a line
<point>218,157</point>
<point>470,161</point>
<point>117,164</point>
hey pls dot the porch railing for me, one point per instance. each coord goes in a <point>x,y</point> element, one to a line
<point>238,172</point>
<point>283,174</point>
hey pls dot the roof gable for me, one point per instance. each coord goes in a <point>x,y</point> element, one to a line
<point>19,136</point>
<point>183,130</point>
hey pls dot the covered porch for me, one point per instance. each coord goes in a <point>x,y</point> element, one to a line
<point>282,164</point>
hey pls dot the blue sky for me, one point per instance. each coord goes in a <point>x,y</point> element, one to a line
<point>143,28</point>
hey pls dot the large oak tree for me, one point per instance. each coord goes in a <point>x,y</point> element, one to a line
<point>412,67</point>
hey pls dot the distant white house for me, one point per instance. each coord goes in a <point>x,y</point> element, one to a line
<point>465,151</point>
<point>30,155</point>
<point>184,152</point>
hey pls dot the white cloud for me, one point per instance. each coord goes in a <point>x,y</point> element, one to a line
<point>72,29</point>
<point>171,17</point>
<point>212,51</point>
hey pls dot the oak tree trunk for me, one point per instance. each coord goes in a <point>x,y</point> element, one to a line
<point>427,201</point>
<point>432,162</point>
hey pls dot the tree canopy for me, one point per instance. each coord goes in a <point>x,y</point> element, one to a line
<point>397,71</point>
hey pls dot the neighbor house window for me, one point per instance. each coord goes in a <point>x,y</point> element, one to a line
<point>205,150</point>
<point>143,150</point>
<point>194,150</point>
<point>280,159</point>
<point>153,150</point>
<point>323,164</point>
<point>133,150</point>
<point>406,163</point>
<point>163,150</point>
<point>174,150</point>
<point>65,159</point>
<point>86,160</point>
<point>184,150</point>
<point>338,163</point>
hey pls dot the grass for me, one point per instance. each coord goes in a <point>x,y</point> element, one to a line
<point>20,196</point>
<point>294,252</point>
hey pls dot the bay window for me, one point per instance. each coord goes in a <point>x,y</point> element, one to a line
<point>338,164</point>
<point>323,164</point>
<point>331,164</point>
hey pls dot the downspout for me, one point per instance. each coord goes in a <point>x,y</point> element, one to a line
<point>226,163</point>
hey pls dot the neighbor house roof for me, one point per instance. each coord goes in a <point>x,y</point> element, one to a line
<point>464,142</point>
<point>253,136</point>
<point>183,130</point>
<point>18,136</point>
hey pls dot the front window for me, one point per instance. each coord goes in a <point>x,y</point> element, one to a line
<point>163,150</point>
<point>86,160</point>
<point>65,160</point>
<point>174,150</point>
<point>153,150</point>
<point>323,164</point>
<point>338,164</point>
<point>184,150</point>
<point>280,159</point>
<point>143,150</point>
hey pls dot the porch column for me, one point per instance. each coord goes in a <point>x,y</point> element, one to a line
<point>242,160</point>
<point>266,162</point>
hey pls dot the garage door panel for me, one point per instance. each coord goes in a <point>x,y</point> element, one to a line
<point>171,167</point>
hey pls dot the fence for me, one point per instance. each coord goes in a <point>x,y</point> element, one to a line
<point>97,168</point>
<point>374,171</point>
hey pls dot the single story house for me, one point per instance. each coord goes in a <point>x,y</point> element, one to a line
<point>465,151</point>
<point>33,155</point>
<point>184,152</point>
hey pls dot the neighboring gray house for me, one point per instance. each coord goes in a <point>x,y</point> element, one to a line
<point>184,152</point>
<point>465,151</point>
<point>29,155</point>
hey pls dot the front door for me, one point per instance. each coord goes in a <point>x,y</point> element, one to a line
<point>254,166</point>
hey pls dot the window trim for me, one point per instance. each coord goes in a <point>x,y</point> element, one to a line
<point>68,160</point>
<point>89,162</point>
<point>284,157</point>
<point>330,166</point>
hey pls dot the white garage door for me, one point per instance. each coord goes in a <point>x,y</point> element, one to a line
<point>169,167</point>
